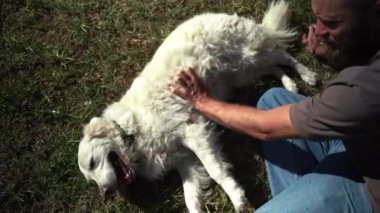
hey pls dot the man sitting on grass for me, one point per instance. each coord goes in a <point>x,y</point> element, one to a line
<point>324,154</point>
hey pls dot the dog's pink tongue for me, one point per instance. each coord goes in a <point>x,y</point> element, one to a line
<point>127,176</point>
<point>127,173</point>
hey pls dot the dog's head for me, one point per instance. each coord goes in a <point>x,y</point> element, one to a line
<point>103,156</point>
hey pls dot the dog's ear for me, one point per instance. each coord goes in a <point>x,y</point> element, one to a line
<point>128,123</point>
<point>95,120</point>
<point>124,117</point>
<point>96,128</point>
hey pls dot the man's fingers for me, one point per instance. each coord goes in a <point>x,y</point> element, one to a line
<point>310,40</point>
<point>185,84</point>
<point>179,91</point>
<point>188,79</point>
<point>189,72</point>
<point>182,84</point>
<point>311,35</point>
<point>182,75</point>
<point>185,79</point>
<point>304,39</point>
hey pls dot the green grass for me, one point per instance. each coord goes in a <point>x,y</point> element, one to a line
<point>62,61</point>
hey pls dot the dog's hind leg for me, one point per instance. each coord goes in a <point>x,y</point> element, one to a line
<point>288,83</point>
<point>195,182</point>
<point>284,58</point>
<point>201,141</point>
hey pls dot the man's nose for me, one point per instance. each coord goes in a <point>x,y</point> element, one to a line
<point>320,29</point>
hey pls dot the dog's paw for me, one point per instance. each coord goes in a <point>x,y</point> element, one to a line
<point>290,85</point>
<point>310,78</point>
<point>242,207</point>
<point>239,200</point>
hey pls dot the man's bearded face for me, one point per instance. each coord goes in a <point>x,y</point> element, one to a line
<point>340,29</point>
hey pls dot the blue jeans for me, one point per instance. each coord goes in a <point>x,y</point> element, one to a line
<point>309,176</point>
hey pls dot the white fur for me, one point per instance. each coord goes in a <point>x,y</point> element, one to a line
<point>225,51</point>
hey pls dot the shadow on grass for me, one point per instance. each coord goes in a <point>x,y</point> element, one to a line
<point>148,195</point>
<point>248,170</point>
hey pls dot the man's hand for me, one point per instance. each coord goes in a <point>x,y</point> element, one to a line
<point>186,85</point>
<point>314,44</point>
<point>265,125</point>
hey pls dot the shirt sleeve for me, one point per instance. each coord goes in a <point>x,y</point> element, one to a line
<point>337,112</point>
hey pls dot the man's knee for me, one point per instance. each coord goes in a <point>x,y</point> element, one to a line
<point>272,98</point>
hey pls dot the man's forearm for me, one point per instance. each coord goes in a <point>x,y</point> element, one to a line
<point>265,125</point>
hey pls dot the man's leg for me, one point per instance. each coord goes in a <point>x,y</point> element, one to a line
<point>288,160</point>
<point>308,172</point>
<point>318,192</point>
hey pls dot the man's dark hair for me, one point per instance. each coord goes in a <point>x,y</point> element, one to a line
<point>361,7</point>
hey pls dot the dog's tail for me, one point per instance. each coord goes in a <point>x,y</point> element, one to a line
<point>276,21</point>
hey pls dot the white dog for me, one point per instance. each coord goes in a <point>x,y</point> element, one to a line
<point>150,131</point>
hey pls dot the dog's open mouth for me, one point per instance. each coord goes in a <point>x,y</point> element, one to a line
<point>123,172</point>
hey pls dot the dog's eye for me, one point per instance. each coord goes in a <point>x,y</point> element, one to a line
<point>92,164</point>
<point>129,139</point>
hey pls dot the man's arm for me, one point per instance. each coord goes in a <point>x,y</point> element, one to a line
<point>265,125</point>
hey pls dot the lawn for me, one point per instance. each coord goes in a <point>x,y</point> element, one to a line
<point>63,61</point>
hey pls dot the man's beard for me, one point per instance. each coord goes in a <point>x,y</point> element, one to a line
<point>357,52</point>
<point>337,57</point>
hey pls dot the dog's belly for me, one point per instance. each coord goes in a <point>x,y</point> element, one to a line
<point>157,162</point>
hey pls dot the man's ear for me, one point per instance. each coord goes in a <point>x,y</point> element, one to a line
<point>377,3</point>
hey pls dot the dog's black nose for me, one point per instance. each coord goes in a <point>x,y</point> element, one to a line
<point>108,193</point>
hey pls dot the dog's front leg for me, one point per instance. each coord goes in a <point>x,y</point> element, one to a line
<point>195,182</point>
<point>201,142</point>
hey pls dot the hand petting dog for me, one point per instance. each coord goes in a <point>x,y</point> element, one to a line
<point>187,86</point>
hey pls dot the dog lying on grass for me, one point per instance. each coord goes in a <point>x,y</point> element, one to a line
<point>150,131</point>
